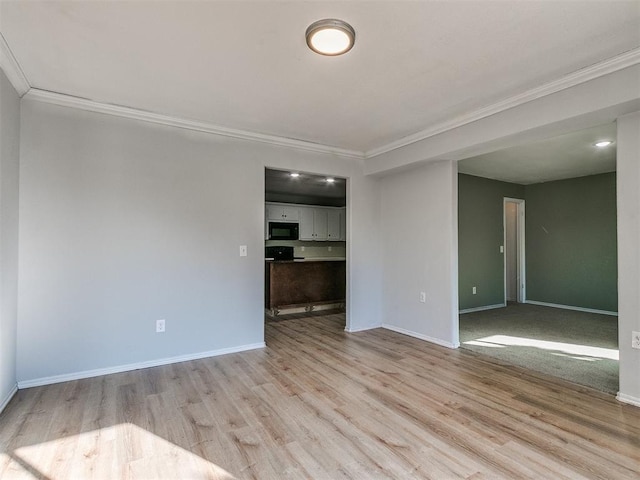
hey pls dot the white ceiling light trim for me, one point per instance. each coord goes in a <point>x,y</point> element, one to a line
<point>330,37</point>
<point>135,114</point>
<point>12,69</point>
<point>611,65</point>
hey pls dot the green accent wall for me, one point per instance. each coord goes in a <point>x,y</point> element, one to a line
<point>480,234</point>
<point>571,242</point>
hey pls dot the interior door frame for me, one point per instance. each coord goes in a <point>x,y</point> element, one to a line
<point>521,265</point>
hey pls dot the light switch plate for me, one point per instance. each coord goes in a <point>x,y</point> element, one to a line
<point>243,250</point>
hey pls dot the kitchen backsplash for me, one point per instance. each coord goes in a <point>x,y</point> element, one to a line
<point>311,249</point>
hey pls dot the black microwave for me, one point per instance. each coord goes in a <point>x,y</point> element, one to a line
<point>283,231</point>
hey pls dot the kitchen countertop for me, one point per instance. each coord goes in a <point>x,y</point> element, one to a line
<point>311,259</point>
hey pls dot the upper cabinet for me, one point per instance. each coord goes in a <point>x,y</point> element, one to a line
<point>286,213</point>
<point>333,224</point>
<point>316,223</point>
<point>313,223</point>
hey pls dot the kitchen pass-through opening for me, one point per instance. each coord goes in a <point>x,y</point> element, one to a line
<point>305,236</point>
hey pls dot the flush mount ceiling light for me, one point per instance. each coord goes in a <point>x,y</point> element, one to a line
<point>330,37</point>
<point>604,143</point>
<point>294,174</point>
<point>330,180</point>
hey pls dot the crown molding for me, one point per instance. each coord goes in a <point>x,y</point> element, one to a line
<point>611,65</point>
<point>12,69</point>
<point>135,114</point>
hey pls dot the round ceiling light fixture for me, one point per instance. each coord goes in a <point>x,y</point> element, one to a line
<point>604,143</point>
<point>330,180</point>
<point>330,37</point>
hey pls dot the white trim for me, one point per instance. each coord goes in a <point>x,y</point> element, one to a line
<point>361,329</point>
<point>624,398</point>
<point>11,68</point>
<point>611,65</point>
<point>480,309</point>
<point>571,307</point>
<point>8,398</point>
<point>437,341</point>
<point>36,382</point>
<point>135,114</point>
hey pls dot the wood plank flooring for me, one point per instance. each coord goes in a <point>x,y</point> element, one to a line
<point>323,404</point>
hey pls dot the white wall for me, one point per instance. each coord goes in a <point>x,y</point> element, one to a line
<point>9,155</point>
<point>124,222</point>
<point>419,215</point>
<point>628,187</point>
<point>365,254</point>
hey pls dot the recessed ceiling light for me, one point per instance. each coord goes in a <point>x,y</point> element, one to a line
<point>330,37</point>
<point>294,174</point>
<point>330,180</point>
<point>604,143</point>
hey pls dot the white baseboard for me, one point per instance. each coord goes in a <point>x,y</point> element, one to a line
<point>361,329</point>
<point>8,398</point>
<point>480,309</point>
<point>37,382</point>
<point>437,341</point>
<point>628,399</point>
<point>571,307</point>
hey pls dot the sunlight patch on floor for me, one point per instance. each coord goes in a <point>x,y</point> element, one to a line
<point>579,352</point>
<point>479,343</point>
<point>86,454</point>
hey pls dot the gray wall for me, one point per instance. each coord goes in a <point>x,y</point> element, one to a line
<point>570,240</point>
<point>480,234</point>
<point>9,155</point>
<point>125,222</point>
<point>571,250</point>
<point>419,209</point>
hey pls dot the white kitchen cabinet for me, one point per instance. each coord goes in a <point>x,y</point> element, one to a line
<point>283,213</point>
<point>333,224</point>
<point>313,223</point>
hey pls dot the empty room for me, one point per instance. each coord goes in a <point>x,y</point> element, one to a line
<point>148,157</point>
<point>537,256</point>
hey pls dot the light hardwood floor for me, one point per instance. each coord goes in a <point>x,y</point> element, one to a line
<point>320,403</point>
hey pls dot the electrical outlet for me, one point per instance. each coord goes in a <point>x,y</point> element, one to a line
<point>329,249</point>
<point>302,248</point>
<point>160,326</point>
<point>473,290</point>
<point>423,297</point>
<point>501,249</point>
<point>635,339</point>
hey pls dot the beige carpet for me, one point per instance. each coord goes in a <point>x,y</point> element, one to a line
<point>576,346</point>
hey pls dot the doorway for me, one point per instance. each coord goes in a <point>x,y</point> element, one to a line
<point>514,251</point>
<point>305,245</point>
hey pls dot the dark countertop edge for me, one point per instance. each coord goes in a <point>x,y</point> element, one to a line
<point>307,260</point>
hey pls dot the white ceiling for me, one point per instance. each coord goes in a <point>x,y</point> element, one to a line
<point>565,156</point>
<point>245,65</point>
